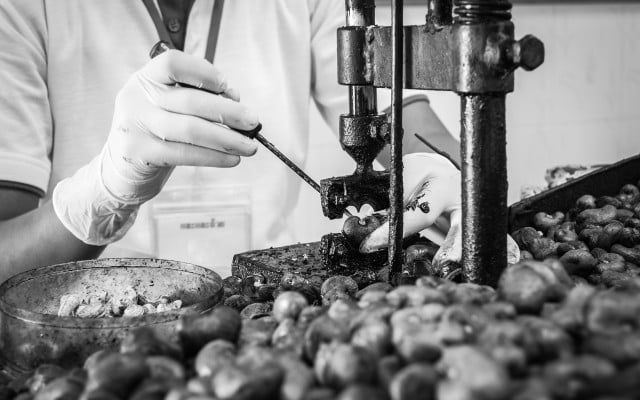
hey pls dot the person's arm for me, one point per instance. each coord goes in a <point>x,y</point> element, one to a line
<point>33,236</point>
<point>157,125</point>
<point>29,236</point>
<point>418,117</point>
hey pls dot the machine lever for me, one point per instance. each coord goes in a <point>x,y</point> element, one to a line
<point>254,134</point>
<point>437,150</point>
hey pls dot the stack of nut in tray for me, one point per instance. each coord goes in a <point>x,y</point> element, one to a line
<point>598,240</point>
<point>567,327</point>
<point>539,335</point>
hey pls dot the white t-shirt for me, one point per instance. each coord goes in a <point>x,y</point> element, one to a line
<point>62,63</point>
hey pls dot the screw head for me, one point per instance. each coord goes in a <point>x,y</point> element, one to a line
<point>531,52</point>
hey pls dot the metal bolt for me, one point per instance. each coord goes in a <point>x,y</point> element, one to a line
<point>370,34</point>
<point>529,52</point>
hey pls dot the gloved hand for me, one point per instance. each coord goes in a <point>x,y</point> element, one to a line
<point>432,200</point>
<point>156,126</point>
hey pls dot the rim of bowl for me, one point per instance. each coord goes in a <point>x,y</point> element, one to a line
<point>104,322</point>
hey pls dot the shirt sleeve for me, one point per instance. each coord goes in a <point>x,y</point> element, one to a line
<point>330,97</point>
<point>25,115</point>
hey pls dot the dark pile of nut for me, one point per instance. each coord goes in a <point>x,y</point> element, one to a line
<point>564,328</point>
<point>539,335</point>
<point>598,240</point>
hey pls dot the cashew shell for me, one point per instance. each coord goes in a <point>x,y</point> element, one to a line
<point>623,215</point>
<point>214,356</point>
<point>323,330</point>
<point>117,373</point>
<point>309,314</point>
<point>629,237</point>
<point>622,349</point>
<point>525,236</point>
<point>388,367</point>
<point>298,378</point>
<point>597,216</point>
<point>256,310</point>
<point>288,336</point>
<point>288,304</point>
<point>631,254</point>
<point>571,314</point>
<point>416,381</point>
<point>238,302</point>
<point>61,388</point>
<point>608,201</point>
<point>543,248</point>
<point>528,285</point>
<point>257,332</point>
<point>360,391</point>
<point>165,368</point>
<point>585,202</point>
<point>197,330</point>
<point>375,336</point>
<point>44,374</point>
<point>338,365</point>
<point>145,341</point>
<point>543,221</point>
<point>339,283</point>
<point>474,370</point>
<point>243,383</point>
<point>579,262</point>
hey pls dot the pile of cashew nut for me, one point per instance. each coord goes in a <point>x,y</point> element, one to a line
<point>127,303</point>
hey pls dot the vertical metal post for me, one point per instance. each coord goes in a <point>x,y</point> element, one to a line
<point>362,99</point>
<point>396,190</point>
<point>483,138</point>
<point>484,187</point>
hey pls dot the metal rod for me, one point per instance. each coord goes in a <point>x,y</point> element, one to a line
<point>360,12</point>
<point>287,162</point>
<point>396,190</point>
<point>437,150</point>
<point>484,187</point>
<point>362,99</point>
<point>273,149</point>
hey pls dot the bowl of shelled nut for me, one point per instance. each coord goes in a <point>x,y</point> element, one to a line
<point>60,314</point>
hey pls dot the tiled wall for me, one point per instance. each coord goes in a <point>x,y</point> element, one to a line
<point>582,106</point>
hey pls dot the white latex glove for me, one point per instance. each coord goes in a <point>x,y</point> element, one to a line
<point>432,184</point>
<point>156,126</point>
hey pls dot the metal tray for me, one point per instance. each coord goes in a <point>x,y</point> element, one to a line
<point>605,181</point>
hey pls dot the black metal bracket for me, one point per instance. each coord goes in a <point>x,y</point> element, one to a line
<point>460,57</point>
<point>354,190</point>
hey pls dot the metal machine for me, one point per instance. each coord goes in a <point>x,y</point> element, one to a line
<point>465,46</point>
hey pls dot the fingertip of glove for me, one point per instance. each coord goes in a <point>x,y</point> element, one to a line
<point>231,94</point>
<point>370,244</point>
<point>253,151</point>
<point>366,248</point>
<point>230,161</point>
